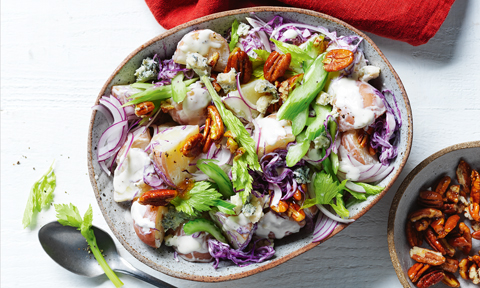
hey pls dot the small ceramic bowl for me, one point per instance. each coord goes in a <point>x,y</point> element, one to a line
<point>424,176</point>
<point>287,248</point>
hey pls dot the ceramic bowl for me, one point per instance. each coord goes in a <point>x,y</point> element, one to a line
<point>287,248</point>
<point>424,176</point>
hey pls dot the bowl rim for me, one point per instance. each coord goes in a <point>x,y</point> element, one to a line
<point>275,261</point>
<point>399,194</point>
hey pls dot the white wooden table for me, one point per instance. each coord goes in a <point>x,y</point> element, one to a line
<point>55,57</point>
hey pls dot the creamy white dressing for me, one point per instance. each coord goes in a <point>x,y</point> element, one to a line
<point>347,97</point>
<point>129,177</point>
<point>272,129</point>
<point>346,166</point>
<point>138,215</point>
<point>187,244</point>
<point>197,42</point>
<point>235,222</point>
<point>192,109</point>
<point>277,225</point>
<point>290,34</point>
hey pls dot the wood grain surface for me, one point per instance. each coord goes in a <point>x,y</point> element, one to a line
<point>55,57</point>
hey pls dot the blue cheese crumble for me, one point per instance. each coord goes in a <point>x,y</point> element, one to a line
<point>227,81</point>
<point>198,63</point>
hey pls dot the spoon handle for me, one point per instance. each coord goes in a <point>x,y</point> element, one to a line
<point>132,271</point>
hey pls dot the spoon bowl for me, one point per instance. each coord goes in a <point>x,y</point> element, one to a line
<point>66,246</point>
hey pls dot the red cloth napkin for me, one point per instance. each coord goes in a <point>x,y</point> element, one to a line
<point>412,21</point>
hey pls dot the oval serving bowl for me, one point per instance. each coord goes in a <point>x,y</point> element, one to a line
<point>422,177</point>
<point>164,45</point>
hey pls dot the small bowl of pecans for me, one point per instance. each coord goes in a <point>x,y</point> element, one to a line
<point>434,221</point>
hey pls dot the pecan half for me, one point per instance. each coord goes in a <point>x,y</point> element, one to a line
<point>144,109</point>
<point>414,237</point>
<point>281,207</point>
<point>430,199</point>
<point>337,59</point>
<point>475,189</point>
<point>453,193</point>
<point>451,223</point>
<point>276,66</point>
<point>448,248</point>
<point>422,224</point>
<point>159,197</point>
<point>193,146</point>
<point>463,268</point>
<point>450,280</point>
<point>239,61</point>
<point>295,212</point>
<point>425,213</point>
<point>476,235</point>
<point>463,175</point>
<point>431,278</point>
<point>426,256</point>
<point>463,240</point>
<point>216,128</point>
<point>438,225</point>
<point>289,85</point>
<point>452,208</point>
<point>432,240</point>
<point>450,265</point>
<point>417,270</point>
<point>442,186</point>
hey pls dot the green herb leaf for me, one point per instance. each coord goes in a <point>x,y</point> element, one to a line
<point>370,189</point>
<point>234,35</point>
<point>263,54</point>
<point>325,190</point>
<point>357,195</point>
<point>298,54</point>
<point>68,215</point>
<point>198,199</point>
<point>339,206</point>
<point>41,195</point>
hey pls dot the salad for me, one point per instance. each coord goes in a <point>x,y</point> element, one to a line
<point>237,141</point>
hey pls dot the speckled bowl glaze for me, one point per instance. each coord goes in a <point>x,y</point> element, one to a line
<point>164,45</point>
<point>425,175</point>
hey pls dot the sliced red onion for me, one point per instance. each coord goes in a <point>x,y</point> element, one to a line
<point>355,187</point>
<point>277,194</point>
<point>150,177</point>
<point>261,34</point>
<point>370,171</point>
<point>380,176</point>
<point>234,101</point>
<point>131,137</point>
<point>333,216</point>
<point>323,227</point>
<point>247,102</point>
<point>102,109</point>
<point>117,111</point>
<point>223,156</point>
<point>111,140</point>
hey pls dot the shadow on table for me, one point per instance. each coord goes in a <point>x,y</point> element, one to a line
<point>441,47</point>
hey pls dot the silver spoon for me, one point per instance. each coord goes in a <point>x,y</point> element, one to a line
<point>68,248</point>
